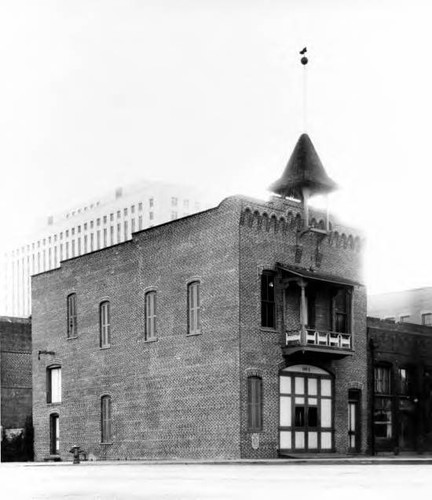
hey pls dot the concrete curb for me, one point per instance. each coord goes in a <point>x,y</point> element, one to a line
<point>427,460</point>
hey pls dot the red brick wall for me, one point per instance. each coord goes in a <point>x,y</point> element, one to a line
<point>175,397</point>
<point>15,363</point>
<point>181,396</point>
<point>261,246</point>
<point>404,346</point>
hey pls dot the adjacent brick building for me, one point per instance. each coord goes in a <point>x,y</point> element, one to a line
<point>400,367</point>
<point>236,332</point>
<point>16,388</point>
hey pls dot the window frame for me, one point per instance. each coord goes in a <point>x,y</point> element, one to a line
<point>49,384</point>
<point>106,419</point>
<point>382,380</point>
<point>105,324</point>
<point>72,319</point>
<point>268,302</point>
<point>194,308</point>
<point>54,423</point>
<point>254,403</point>
<point>150,315</point>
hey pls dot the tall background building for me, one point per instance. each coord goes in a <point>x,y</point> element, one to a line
<point>100,223</point>
<point>406,306</point>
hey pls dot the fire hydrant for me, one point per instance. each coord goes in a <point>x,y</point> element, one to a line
<point>76,454</point>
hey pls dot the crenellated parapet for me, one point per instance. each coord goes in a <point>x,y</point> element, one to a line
<point>291,221</point>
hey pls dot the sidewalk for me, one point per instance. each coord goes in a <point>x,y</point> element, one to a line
<point>315,460</point>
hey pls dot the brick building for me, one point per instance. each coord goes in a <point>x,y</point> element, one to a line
<point>102,222</point>
<point>239,331</point>
<point>400,367</point>
<point>16,388</point>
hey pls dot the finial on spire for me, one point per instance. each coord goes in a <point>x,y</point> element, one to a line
<point>304,60</point>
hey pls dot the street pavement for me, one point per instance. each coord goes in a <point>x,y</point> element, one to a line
<point>169,481</point>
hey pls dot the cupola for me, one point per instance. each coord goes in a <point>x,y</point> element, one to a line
<point>304,176</point>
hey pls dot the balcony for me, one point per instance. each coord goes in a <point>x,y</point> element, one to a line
<point>332,344</point>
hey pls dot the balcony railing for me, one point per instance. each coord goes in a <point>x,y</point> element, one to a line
<point>318,338</point>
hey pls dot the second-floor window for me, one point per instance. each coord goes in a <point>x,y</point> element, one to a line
<point>194,308</point>
<point>267,301</point>
<point>71,316</point>
<point>150,315</point>
<point>404,381</point>
<point>382,377</point>
<point>104,324</point>
<point>341,309</point>
<point>54,384</point>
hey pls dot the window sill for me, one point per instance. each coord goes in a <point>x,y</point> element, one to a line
<point>153,339</point>
<point>102,348</point>
<point>54,403</point>
<point>193,334</point>
<point>72,338</point>
<point>107,443</point>
<point>269,329</point>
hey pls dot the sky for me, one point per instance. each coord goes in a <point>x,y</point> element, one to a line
<point>96,94</point>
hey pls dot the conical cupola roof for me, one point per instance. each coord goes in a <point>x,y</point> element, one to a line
<point>304,170</point>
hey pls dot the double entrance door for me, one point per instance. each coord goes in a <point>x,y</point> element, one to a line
<point>305,409</point>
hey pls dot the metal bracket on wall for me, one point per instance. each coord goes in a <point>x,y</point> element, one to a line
<point>52,353</point>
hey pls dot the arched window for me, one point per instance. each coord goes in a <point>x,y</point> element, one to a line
<point>104,324</point>
<point>53,384</point>
<point>71,316</point>
<point>254,404</point>
<point>267,300</point>
<point>106,421</point>
<point>150,315</point>
<point>54,434</point>
<point>194,306</point>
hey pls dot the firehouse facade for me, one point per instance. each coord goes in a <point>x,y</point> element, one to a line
<point>233,333</point>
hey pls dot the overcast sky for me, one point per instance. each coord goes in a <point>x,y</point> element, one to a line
<point>95,94</point>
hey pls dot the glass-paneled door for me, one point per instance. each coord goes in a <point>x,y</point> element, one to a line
<point>305,409</point>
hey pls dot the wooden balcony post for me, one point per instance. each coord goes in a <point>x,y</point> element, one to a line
<point>303,310</point>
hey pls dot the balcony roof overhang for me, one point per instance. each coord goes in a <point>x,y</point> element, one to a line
<point>312,275</point>
<point>306,352</point>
